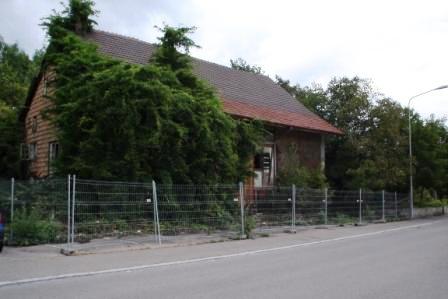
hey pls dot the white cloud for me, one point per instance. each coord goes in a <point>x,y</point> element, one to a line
<point>400,45</point>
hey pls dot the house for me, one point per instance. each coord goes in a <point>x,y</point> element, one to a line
<point>244,95</point>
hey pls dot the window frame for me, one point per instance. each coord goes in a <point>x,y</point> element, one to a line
<point>53,153</point>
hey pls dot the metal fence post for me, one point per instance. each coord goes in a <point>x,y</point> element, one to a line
<point>241,191</point>
<point>293,223</point>
<point>12,207</point>
<point>157,234</point>
<point>73,208</point>
<point>396,205</point>
<point>384,212</point>
<point>326,206</point>
<point>69,178</point>
<point>360,205</point>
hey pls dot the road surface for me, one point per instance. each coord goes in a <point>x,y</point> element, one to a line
<point>394,260</point>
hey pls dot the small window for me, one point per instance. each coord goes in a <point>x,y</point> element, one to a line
<point>53,153</point>
<point>264,166</point>
<point>34,124</point>
<point>45,85</point>
<point>32,151</point>
<point>24,151</point>
<point>28,151</point>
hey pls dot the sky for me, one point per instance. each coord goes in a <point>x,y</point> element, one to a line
<point>401,46</point>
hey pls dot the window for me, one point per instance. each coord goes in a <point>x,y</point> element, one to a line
<point>264,166</point>
<point>34,124</point>
<point>53,153</point>
<point>28,151</point>
<point>45,83</point>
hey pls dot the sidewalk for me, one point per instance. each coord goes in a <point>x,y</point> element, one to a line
<point>45,260</point>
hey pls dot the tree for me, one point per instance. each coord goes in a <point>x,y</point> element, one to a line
<point>385,162</point>
<point>430,145</point>
<point>241,65</point>
<point>16,72</point>
<point>373,152</point>
<point>314,97</point>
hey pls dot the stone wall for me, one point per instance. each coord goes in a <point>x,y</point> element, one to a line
<point>426,212</point>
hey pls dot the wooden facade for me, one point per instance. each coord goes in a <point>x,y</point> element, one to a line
<point>39,132</point>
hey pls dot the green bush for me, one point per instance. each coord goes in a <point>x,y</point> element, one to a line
<point>431,203</point>
<point>224,218</point>
<point>425,198</point>
<point>293,172</point>
<point>249,225</point>
<point>343,219</point>
<point>30,228</point>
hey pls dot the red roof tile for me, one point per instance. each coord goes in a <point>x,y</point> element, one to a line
<point>279,117</point>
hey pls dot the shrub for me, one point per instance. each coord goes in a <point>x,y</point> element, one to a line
<point>431,203</point>
<point>343,219</point>
<point>249,224</point>
<point>224,218</point>
<point>31,228</point>
<point>294,173</point>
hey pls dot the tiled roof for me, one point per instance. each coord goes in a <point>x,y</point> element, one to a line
<point>274,116</point>
<point>243,94</point>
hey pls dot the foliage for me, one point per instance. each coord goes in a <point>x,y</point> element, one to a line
<point>431,203</point>
<point>384,149</point>
<point>76,17</point>
<point>430,149</point>
<point>118,120</point>
<point>10,137</point>
<point>223,216</point>
<point>314,97</point>
<point>373,152</point>
<point>174,48</point>
<point>343,219</point>
<point>424,199</point>
<point>250,223</point>
<point>241,65</point>
<point>294,173</point>
<point>31,228</point>
<point>16,72</point>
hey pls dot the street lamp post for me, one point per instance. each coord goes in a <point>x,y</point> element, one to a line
<point>411,187</point>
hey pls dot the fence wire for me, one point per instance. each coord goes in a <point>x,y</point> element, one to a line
<point>82,211</point>
<point>188,209</point>
<point>36,211</point>
<point>112,209</point>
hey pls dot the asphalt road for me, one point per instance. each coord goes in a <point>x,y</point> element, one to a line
<point>406,260</point>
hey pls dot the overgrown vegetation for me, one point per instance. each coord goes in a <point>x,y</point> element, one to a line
<point>242,65</point>
<point>121,121</point>
<point>16,72</point>
<point>32,228</point>
<point>294,173</point>
<point>373,153</point>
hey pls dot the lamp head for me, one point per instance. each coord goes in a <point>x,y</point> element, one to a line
<point>441,87</point>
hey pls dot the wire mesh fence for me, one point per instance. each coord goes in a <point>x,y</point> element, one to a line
<point>342,206</point>
<point>189,209</point>
<point>36,211</point>
<point>310,207</point>
<point>268,208</point>
<point>81,211</point>
<point>112,209</point>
